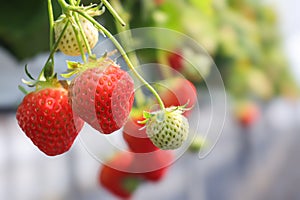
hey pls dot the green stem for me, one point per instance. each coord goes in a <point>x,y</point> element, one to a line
<point>77,36</point>
<point>51,22</point>
<point>113,12</point>
<point>67,8</point>
<point>82,33</point>
<point>54,47</point>
<point>141,99</point>
<point>123,53</point>
<point>64,6</point>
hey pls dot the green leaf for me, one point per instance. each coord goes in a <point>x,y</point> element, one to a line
<point>22,89</point>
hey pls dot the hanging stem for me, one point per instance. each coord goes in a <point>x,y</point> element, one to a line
<point>113,12</point>
<point>53,49</point>
<point>51,23</point>
<point>77,36</point>
<point>66,8</point>
<point>123,53</point>
<point>141,99</point>
<point>82,33</point>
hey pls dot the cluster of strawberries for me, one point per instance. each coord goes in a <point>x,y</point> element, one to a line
<point>101,94</point>
<point>123,173</point>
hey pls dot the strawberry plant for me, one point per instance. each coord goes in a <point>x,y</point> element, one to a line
<point>99,91</point>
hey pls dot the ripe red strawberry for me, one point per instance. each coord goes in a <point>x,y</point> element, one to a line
<point>68,43</point>
<point>47,119</point>
<point>116,176</point>
<point>176,60</point>
<point>102,95</point>
<point>136,138</point>
<point>194,66</point>
<point>178,91</point>
<point>153,166</point>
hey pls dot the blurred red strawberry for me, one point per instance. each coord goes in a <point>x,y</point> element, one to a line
<point>153,166</point>
<point>117,178</point>
<point>178,91</point>
<point>176,60</point>
<point>247,113</point>
<point>137,139</point>
<point>194,66</point>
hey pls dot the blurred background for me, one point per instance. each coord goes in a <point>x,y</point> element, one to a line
<point>254,44</point>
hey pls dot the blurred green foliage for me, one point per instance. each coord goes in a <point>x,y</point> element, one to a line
<point>24,27</point>
<point>240,35</point>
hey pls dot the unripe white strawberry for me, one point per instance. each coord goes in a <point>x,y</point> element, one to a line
<point>68,43</point>
<point>168,128</point>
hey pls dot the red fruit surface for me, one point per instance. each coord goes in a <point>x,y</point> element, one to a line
<point>178,92</point>
<point>176,60</point>
<point>158,2</point>
<point>136,138</point>
<point>103,97</point>
<point>153,166</point>
<point>115,173</point>
<point>46,117</point>
<point>248,114</point>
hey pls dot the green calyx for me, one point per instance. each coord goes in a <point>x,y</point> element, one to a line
<point>131,183</point>
<point>92,9</point>
<point>75,68</point>
<point>160,114</point>
<point>47,79</point>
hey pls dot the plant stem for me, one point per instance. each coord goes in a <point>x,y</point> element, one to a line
<point>67,8</point>
<point>82,33</point>
<point>123,53</point>
<point>51,23</point>
<point>77,36</point>
<point>113,12</point>
<point>141,99</point>
<point>54,47</point>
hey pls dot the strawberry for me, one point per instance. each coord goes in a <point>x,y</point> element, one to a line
<point>116,177</point>
<point>153,166</point>
<point>102,94</point>
<point>167,128</point>
<point>136,137</point>
<point>193,65</point>
<point>176,60</point>
<point>247,113</point>
<point>68,43</point>
<point>46,117</point>
<point>178,91</point>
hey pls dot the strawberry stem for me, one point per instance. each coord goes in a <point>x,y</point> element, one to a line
<point>113,12</point>
<point>79,43</point>
<point>51,23</point>
<point>50,58</point>
<point>82,33</point>
<point>126,40</point>
<point>67,8</point>
<point>123,53</point>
